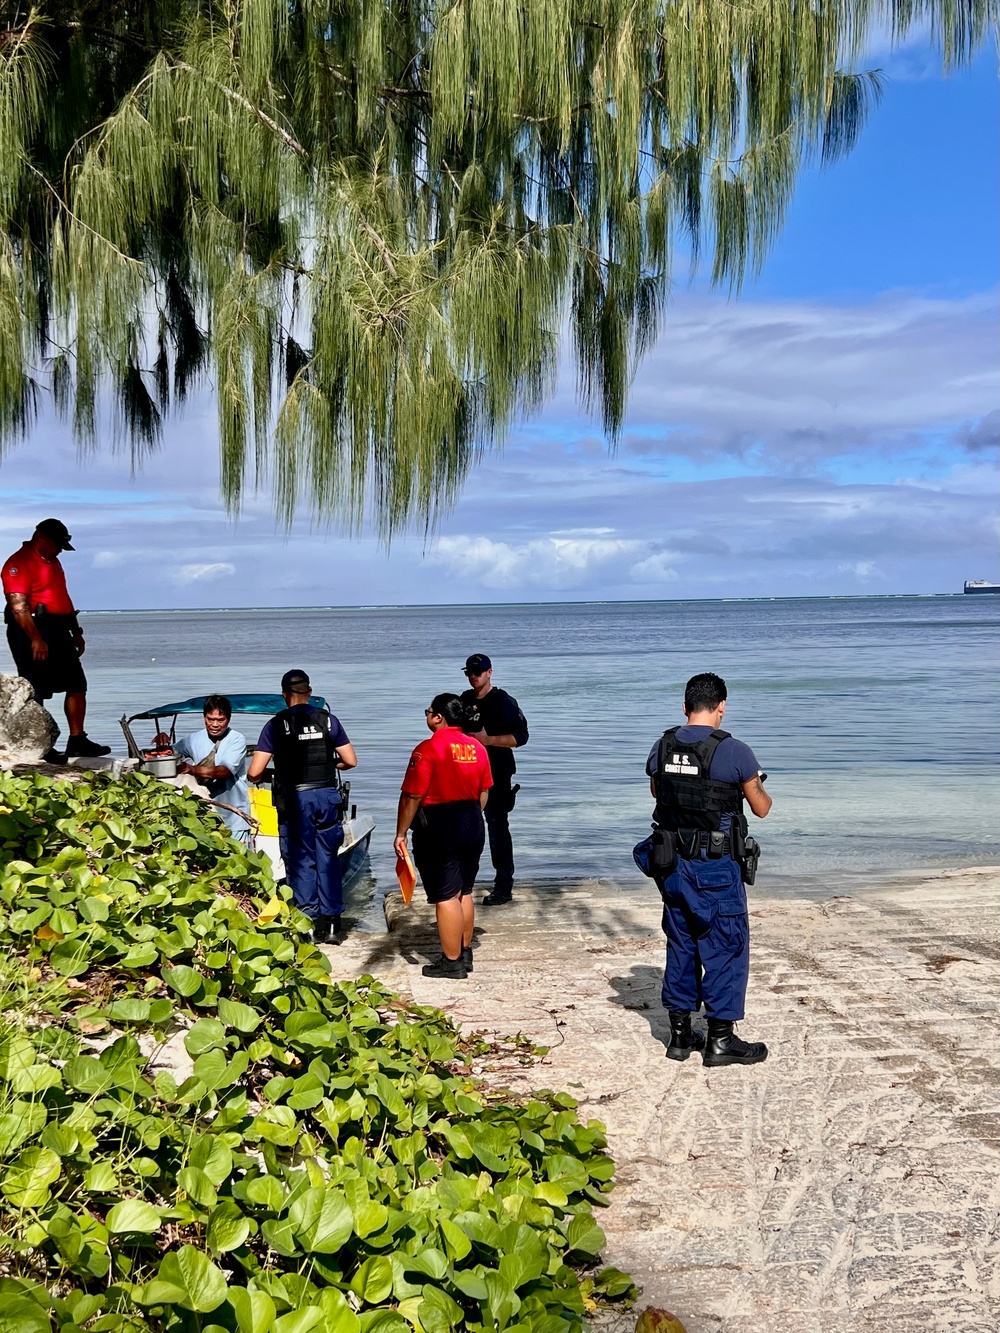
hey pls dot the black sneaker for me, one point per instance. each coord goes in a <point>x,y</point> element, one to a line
<point>467,958</point>
<point>54,756</point>
<point>452,968</point>
<point>497,898</point>
<point>82,747</point>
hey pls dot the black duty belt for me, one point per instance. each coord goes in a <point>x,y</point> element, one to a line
<point>692,842</point>
<point>314,786</point>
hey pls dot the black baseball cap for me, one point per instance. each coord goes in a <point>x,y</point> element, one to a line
<point>57,532</point>
<point>295,682</point>
<point>477,664</point>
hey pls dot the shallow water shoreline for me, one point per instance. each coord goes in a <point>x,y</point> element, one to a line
<point>847,1185</point>
<point>365,898</point>
<point>848,704</point>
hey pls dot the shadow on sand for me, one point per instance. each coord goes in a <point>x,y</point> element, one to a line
<point>639,990</point>
<point>597,912</point>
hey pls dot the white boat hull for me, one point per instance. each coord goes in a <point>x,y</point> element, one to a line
<point>352,855</point>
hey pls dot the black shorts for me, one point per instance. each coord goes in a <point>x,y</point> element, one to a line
<point>447,844</point>
<point>61,672</point>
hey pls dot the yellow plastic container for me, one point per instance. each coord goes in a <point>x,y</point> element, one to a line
<point>262,809</point>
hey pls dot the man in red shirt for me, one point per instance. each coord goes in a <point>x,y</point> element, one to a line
<point>445,788</point>
<point>43,632</point>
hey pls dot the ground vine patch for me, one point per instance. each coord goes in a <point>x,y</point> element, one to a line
<point>322,1163</point>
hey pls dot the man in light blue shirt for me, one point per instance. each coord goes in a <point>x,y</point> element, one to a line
<point>218,759</point>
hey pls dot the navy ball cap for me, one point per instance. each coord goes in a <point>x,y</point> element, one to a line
<point>295,682</point>
<point>477,663</point>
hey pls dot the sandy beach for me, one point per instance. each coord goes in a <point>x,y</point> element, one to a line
<point>849,1184</point>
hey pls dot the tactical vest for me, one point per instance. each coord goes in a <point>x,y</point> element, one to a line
<point>686,797</point>
<point>304,752</point>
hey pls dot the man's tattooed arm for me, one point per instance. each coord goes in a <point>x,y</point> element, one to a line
<point>20,609</point>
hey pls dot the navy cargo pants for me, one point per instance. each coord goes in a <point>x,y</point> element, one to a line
<point>708,938</point>
<point>310,840</point>
<point>497,814</point>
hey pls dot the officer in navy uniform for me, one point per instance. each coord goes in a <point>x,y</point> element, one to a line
<point>495,720</point>
<point>700,857</point>
<point>309,747</point>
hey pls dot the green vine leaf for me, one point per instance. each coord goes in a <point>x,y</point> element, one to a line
<point>133,1215</point>
<point>184,980</point>
<point>20,1314</point>
<point>239,1016</point>
<point>201,1285</point>
<point>26,1183</point>
<point>228,1228</point>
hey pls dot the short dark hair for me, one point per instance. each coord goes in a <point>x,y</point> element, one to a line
<point>450,707</point>
<point>704,693</point>
<point>217,703</point>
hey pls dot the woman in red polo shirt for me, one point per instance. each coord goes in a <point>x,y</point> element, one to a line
<point>445,788</point>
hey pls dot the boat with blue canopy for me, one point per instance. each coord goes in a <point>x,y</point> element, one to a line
<point>266,705</point>
<point>162,762</point>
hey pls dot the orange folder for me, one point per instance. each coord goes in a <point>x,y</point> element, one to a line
<point>406,874</point>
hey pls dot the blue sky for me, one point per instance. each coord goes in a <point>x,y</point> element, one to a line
<point>915,206</point>
<point>832,431</point>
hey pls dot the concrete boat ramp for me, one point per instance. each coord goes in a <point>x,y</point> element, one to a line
<point>848,1185</point>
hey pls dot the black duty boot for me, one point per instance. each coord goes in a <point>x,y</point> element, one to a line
<point>322,931</point>
<point>683,1039</point>
<point>82,747</point>
<point>725,1048</point>
<point>497,897</point>
<point>452,968</point>
<point>467,957</point>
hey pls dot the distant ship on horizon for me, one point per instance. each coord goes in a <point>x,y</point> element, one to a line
<point>980,585</point>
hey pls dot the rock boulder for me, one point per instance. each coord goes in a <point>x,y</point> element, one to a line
<point>27,730</point>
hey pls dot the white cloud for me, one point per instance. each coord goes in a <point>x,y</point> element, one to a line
<point>798,381</point>
<point>912,59</point>
<point>550,562</point>
<point>220,569</point>
<point>108,559</point>
<point>863,570</point>
<point>656,568</point>
<point>555,562</point>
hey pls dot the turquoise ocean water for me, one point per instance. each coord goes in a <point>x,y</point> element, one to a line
<point>875,718</point>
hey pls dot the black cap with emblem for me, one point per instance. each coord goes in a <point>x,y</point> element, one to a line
<point>56,532</point>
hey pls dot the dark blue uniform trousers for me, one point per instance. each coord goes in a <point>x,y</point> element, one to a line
<point>708,938</point>
<point>309,841</point>
<point>497,814</point>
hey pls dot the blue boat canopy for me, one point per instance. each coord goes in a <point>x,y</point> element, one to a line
<point>242,703</point>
